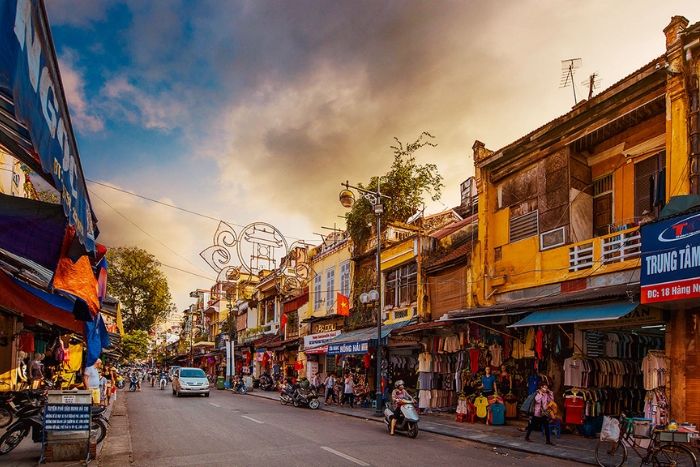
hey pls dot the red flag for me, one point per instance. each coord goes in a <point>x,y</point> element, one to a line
<point>283,321</point>
<point>343,305</point>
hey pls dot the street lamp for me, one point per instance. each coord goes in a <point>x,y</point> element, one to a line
<point>347,199</point>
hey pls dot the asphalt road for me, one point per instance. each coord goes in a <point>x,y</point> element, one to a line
<point>233,430</point>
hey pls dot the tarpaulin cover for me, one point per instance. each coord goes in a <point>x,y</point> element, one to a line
<point>22,298</point>
<point>32,229</point>
<point>75,276</point>
<point>96,338</point>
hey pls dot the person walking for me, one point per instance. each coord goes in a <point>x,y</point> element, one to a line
<point>91,379</point>
<point>348,391</point>
<point>539,419</point>
<point>329,384</point>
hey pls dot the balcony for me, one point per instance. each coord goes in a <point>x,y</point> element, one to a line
<point>617,247</point>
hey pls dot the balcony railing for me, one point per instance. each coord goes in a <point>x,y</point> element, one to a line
<point>612,248</point>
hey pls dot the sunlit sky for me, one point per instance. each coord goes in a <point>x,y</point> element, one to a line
<point>256,111</point>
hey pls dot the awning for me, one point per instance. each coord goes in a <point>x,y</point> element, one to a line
<point>357,342</point>
<point>601,312</point>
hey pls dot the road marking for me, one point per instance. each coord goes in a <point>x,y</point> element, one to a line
<point>345,456</point>
<point>215,405</point>
<point>251,419</point>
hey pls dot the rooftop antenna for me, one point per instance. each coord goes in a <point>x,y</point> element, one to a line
<point>593,82</point>
<point>568,69</point>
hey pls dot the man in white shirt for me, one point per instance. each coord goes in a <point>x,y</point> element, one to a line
<point>91,377</point>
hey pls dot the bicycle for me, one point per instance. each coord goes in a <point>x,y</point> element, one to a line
<point>657,452</point>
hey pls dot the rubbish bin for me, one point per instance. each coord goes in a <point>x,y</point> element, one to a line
<point>220,380</point>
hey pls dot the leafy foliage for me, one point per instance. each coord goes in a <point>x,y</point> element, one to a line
<point>134,278</point>
<point>405,184</point>
<point>135,345</point>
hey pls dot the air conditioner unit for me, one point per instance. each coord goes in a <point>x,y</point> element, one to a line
<point>553,238</point>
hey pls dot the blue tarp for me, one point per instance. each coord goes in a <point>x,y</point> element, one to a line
<point>96,338</point>
<point>601,312</point>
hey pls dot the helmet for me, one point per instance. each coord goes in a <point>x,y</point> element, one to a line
<point>398,383</point>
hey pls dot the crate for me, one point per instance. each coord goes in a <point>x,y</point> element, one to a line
<point>677,436</point>
<point>642,428</point>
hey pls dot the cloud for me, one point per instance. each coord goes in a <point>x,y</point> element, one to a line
<point>83,116</point>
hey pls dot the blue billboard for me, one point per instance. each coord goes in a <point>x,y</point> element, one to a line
<point>670,268</point>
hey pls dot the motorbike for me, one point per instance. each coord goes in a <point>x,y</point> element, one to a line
<point>286,393</point>
<point>407,421</point>
<point>28,417</point>
<point>134,384</point>
<point>238,387</point>
<point>163,382</point>
<point>120,382</point>
<point>266,383</point>
<point>12,402</point>
<point>98,422</point>
<point>306,396</point>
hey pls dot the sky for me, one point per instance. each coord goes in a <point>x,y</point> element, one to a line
<point>256,111</point>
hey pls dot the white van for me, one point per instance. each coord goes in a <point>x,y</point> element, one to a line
<point>190,381</point>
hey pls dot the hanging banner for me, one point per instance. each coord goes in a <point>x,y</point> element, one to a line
<point>670,267</point>
<point>31,79</point>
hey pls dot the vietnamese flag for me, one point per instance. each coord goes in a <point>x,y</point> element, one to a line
<point>343,305</point>
<point>283,321</point>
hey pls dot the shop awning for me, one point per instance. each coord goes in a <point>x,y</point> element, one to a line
<point>600,312</point>
<point>359,341</point>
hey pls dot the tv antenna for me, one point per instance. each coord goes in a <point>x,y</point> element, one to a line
<point>568,69</point>
<point>593,82</point>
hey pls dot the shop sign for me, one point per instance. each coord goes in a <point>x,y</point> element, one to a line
<point>31,74</point>
<point>311,368</point>
<point>638,316</point>
<point>403,340</point>
<point>671,259</point>
<point>316,340</point>
<point>327,326</point>
<point>348,348</point>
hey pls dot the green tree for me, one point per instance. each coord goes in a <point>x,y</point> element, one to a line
<point>405,184</point>
<point>142,289</point>
<point>135,345</point>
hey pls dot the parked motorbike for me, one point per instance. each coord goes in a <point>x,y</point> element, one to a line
<point>98,423</point>
<point>286,393</point>
<point>306,396</point>
<point>407,421</point>
<point>28,417</point>
<point>120,382</point>
<point>266,383</point>
<point>11,402</point>
<point>238,387</point>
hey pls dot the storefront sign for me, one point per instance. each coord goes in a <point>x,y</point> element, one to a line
<point>348,348</point>
<point>311,368</point>
<point>30,75</point>
<point>671,259</point>
<point>403,340</point>
<point>316,340</point>
<point>327,326</point>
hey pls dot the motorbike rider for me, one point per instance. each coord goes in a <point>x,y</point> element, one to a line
<point>163,378</point>
<point>398,396</point>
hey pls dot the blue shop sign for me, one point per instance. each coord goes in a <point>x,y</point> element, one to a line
<point>671,259</point>
<point>348,348</point>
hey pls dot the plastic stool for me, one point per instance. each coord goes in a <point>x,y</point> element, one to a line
<point>551,426</point>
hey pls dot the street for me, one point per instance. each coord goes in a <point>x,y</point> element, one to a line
<point>235,430</point>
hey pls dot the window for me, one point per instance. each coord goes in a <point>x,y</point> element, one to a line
<point>650,185</point>
<point>317,292</point>
<point>522,227</point>
<point>268,312</point>
<point>330,286</point>
<point>401,286</point>
<point>345,278</point>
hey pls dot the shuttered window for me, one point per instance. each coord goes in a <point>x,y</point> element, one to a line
<point>649,185</point>
<point>523,226</point>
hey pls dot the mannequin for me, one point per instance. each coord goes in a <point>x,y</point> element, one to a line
<point>489,383</point>
<point>37,370</point>
<point>505,380</point>
<point>21,369</point>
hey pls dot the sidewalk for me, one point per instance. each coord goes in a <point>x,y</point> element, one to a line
<point>569,446</point>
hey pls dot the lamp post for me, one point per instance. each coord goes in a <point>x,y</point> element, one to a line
<point>347,199</point>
